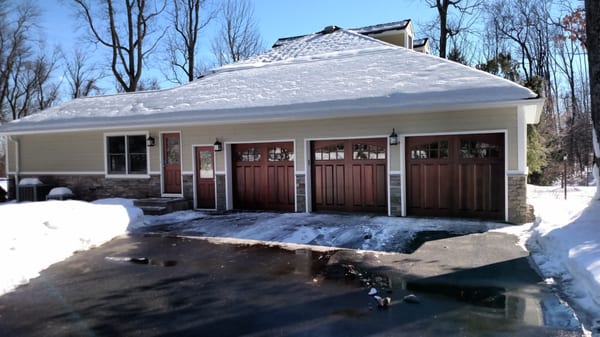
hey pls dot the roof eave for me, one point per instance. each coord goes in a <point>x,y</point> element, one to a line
<point>532,108</point>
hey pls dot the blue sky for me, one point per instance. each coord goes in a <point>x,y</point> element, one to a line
<point>275,18</point>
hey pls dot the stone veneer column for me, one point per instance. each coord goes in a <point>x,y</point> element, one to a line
<point>221,192</point>
<point>396,194</point>
<point>519,211</point>
<point>300,193</point>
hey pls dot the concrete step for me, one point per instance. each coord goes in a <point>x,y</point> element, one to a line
<point>159,206</point>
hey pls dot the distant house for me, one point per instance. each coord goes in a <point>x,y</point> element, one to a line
<point>339,120</point>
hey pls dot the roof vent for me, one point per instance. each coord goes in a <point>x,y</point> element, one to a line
<point>329,29</point>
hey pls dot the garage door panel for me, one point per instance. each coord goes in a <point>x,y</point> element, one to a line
<point>264,176</point>
<point>357,181</point>
<point>414,186</point>
<point>459,175</point>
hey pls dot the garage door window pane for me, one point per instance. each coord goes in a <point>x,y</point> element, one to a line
<point>478,150</point>
<point>250,154</point>
<point>332,152</point>
<point>435,150</point>
<point>280,154</point>
<point>367,152</point>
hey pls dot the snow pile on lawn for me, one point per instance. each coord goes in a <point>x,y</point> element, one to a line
<point>36,235</point>
<point>565,244</point>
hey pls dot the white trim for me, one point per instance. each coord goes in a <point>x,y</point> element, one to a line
<point>195,176</point>
<point>228,176</point>
<point>162,165</point>
<point>307,176</point>
<point>402,144</point>
<point>512,173</point>
<point>125,134</point>
<point>396,172</point>
<point>187,173</point>
<point>221,172</point>
<point>521,139</point>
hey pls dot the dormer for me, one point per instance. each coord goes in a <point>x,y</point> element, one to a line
<point>422,46</point>
<point>400,33</point>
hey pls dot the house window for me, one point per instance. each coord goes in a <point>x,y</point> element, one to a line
<point>126,155</point>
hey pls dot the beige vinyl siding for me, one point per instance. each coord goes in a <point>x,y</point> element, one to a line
<point>68,152</point>
<point>84,151</point>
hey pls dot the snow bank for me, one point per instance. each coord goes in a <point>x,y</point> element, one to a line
<point>565,242</point>
<point>36,235</point>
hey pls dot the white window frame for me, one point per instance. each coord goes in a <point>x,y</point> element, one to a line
<point>107,174</point>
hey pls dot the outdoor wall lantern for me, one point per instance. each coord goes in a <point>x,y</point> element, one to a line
<point>394,137</point>
<point>150,142</point>
<point>218,146</point>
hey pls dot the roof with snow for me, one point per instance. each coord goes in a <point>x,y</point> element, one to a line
<point>338,73</point>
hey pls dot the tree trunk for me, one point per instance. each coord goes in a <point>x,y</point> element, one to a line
<point>592,18</point>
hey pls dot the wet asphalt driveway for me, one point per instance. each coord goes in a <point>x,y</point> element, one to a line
<point>149,285</point>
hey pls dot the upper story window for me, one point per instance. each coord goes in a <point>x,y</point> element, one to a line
<point>126,155</point>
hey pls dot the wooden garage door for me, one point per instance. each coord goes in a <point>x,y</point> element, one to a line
<point>263,176</point>
<point>349,175</point>
<point>456,176</point>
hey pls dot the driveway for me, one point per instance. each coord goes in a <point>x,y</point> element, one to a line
<point>166,285</point>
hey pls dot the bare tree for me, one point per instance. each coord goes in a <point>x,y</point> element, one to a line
<point>82,77</point>
<point>130,33</point>
<point>30,85</point>
<point>182,44</point>
<point>450,26</point>
<point>16,25</point>
<point>592,20</point>
<point>238,36</point>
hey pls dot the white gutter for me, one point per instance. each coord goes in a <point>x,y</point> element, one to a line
<point>17,162</point>
<point>265,114</point>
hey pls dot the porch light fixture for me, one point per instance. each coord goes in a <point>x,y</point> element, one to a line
<point>150,142</point>
<point>393,137</point>
<point>218,146</point>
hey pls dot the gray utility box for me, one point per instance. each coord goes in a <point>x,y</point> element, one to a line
<point>32,189</point>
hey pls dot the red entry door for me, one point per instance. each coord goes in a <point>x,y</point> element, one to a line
<point>205,177</point>
<point>171,163</point>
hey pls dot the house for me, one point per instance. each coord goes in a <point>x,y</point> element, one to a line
<point>338,120</point>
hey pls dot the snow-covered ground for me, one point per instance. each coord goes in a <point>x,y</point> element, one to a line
<point>564,241</point>
<point>38,234</point>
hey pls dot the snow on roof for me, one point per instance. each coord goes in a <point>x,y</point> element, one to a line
<point>382,28</point>
<point>342,73</point>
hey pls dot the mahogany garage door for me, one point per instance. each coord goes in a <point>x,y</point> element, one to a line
<point>349,175</point>
<point>263,176</point>
<point>456,176</point>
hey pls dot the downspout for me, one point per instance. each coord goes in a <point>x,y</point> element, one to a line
<point>17,163</point>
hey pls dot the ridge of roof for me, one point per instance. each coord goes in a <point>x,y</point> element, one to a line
<point>332,40</point>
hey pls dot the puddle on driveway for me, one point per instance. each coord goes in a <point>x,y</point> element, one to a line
<point>480,304</point>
